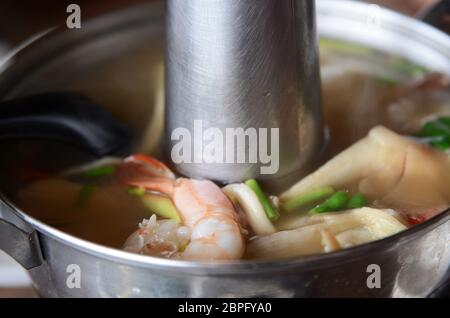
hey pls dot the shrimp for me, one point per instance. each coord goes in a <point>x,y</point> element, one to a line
<point>211,217</point>
<point>162,238</point>
<point>142,166</point>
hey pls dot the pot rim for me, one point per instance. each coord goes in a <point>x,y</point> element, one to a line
<point>313,262</point>
<point>417,41</point>
<point>310,262</point>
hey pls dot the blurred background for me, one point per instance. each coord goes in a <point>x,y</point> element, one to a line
<point>20,19</point>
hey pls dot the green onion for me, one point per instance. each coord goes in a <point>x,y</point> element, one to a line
<point>161,206</point>
<point>334,203</point>
<point>390,82</point>
<point>85,194</point>
<point>308,198</point>
<point>437,127</point>
<point>344,47</point>
<point>401,65</point>
<point>100,171</point>
<point>357,201</point>
<point>406,67</point>
<point>269,208</point>
<point>436,133</point>
<point>139,192</point>
<point>442,144</point>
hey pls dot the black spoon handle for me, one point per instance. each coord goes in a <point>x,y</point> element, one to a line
<point>67,117</point>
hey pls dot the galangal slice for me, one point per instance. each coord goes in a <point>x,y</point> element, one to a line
<point>326,232</point>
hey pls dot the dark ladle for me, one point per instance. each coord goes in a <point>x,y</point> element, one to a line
<point>70,118</point>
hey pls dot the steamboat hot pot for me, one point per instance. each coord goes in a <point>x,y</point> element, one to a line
<point>412,263</point>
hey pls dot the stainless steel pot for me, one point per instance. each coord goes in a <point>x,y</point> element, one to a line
<point>412,263</point>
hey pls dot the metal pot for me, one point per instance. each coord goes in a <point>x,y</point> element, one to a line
<point>412,263</point>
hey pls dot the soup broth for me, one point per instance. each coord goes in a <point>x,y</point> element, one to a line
<point>362,89</point>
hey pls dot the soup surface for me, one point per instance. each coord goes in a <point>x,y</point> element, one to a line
<point>385,169</point>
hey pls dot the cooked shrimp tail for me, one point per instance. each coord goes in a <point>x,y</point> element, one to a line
<point>205,210</point>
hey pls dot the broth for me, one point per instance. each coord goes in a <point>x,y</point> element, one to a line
<point>361,89</point>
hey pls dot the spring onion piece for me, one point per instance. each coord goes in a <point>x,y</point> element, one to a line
<point>357,201</point>
<point>161,206</point>
<point>389,82</point>
<point>100,171</point>
<point>86,192</point>
<point>269,208</point>
<point>400,65</point>
<point>137,191</point>
<point>245,198</point>
<point>436,133</point>
<point>437,127</point>
<point>406,67</point>
<point>441,144</point>
<point>334,203</point>
<point>82,169</point>
<point>307,198</point>
<point>344,47</point>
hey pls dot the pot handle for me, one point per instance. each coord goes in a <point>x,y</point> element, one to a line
<point>67,117</point>
<point>18,239</point>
